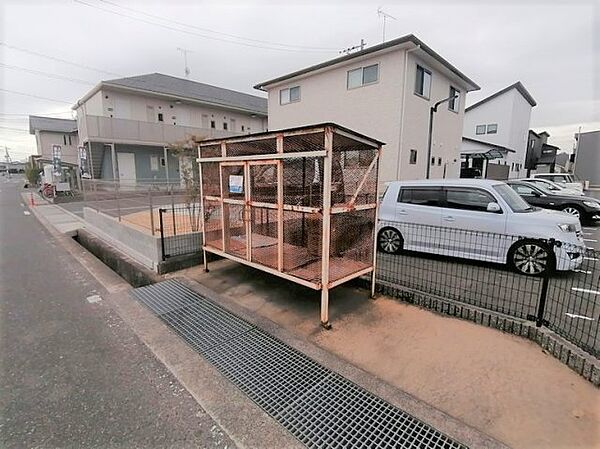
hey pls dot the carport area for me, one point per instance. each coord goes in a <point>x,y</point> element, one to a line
<point>499,383</point>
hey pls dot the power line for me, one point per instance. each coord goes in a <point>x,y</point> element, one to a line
<point>246,44</point>
<point>35,96</point>
<point>48,75</point>
<point>64,61</point>
<point>15,129</point>
<point>234,36</point>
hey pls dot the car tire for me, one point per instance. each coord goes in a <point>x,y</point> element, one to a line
<point>390,241</point>
<point>531,258</point>
<point>573,210</point>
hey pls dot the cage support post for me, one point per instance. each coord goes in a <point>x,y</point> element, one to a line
<point>374,273</point>
<point>202,216</point>
<point>327,163</point>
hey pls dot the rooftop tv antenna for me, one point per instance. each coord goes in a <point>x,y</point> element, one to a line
<point>185,51</point>
<point>381,13</point>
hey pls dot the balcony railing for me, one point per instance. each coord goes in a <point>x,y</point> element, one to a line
<point>109,129</point>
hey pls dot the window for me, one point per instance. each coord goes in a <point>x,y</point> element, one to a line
<point>423,82</point>
<point>153,163</point>
<point>413,157</point>
<point>492,128</point>
<point>64,139</point>
<point>162,162</point>
<point>433,160</point>
<point>514,201</point>
<point>439,161</point>
<point>468,199</point>
<point>160,117</point>
<point>70,140</point>
<point>290,95</point>
<point>213,125</point>
<point>362,76</point>
<point>420,196</point>
<point>531,143</point>
<point>454,103</point>
<point>523,190</point>
<point>225,126</point>
<point>242,127</point>
<point>480,129</point>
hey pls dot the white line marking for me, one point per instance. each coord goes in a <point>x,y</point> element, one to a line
<point>587,228</point>
<point>26,212</point>
<point>94,299</point>
<point>572,315</point>
<point>590,258</point>
<point>582,271</point>
<point>585,290</point>
<point>590,240</point>
<point>587,233</point>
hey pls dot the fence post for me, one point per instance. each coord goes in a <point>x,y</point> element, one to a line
<point>162,234</point>
<point>539,320</point>
<point>173,211</point>
<point>151,210</point>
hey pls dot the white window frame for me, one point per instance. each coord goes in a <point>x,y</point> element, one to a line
<point>488,128</point>
<point>285,95</point>
<point>454,103</point>
<point>362,76</point>
<point>477,127</point>
<point>425,95</point>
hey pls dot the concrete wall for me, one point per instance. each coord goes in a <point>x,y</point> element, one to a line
<point>144,248</point>
<point>587,162</point>
<point>143,166</point>
<point>376,110</point>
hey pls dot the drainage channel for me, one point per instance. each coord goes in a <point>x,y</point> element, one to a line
<point>319,407</point>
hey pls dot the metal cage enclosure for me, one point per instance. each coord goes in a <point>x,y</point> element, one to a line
<point>299,203</point>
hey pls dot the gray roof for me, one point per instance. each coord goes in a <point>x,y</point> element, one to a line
<point>59,125</point>
<point>410,38</point>
<point>186,89</point>
<point>520,88</point>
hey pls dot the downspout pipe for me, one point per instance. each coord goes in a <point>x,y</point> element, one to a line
<point>401,136</point>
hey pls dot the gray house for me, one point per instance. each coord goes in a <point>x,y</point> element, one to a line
<point>126,124</point>
<point>587,157</point>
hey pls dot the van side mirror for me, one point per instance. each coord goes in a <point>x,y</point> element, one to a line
<point>494,207</point>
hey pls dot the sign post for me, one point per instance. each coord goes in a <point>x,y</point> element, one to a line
<point>56,160</point>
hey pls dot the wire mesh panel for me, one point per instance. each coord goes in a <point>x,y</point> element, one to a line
<point>213,227</point>
<point>350,251</point>
<point>304,142</point>
<point>252,147</point>
<point>303,181</point>
<point>302,245</point>
<point>235,229</point>
<point>210,151</point>
<point>211,178</point>
<point>233,182</point>
<point>263,182</point>
<point>263,225</point>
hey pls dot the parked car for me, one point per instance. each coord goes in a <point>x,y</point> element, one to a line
<point>584,208</point>
<point>552,187</point>
<point>439,217</point>
<point>564,179</point>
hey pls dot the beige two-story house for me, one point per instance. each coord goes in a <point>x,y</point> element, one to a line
<point>51,131</point>
<point>385,91</point>
<point>126,124</point>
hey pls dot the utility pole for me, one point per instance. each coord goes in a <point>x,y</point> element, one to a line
<point>359,47</point>
<point>382,14</point>
<point>185,51</point>
<point>8,160</point>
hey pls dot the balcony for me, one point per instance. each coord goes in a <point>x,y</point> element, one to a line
<point>116,130</point>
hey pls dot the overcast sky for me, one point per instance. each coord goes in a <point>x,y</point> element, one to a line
<point>552,47</point>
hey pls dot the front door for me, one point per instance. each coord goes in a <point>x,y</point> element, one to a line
<point>126,166</point>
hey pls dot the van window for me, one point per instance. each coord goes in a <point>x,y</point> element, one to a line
<point>468,199</point>
<point>420,196</point>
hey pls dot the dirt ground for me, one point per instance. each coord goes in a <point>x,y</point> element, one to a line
<point>498,383</point>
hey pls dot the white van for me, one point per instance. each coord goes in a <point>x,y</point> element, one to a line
<point>477,219</point>
<point>563,179</point>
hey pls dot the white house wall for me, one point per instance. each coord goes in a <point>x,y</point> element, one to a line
<point>45,141</point>
<point>375,110</point>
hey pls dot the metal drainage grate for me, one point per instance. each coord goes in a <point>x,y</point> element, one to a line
<point>318,406</point>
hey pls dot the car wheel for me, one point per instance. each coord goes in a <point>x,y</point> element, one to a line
<point>531,258</point>
<point>390,241</point>
<point>572,210</point>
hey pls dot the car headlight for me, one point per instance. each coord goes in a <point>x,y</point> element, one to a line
<point>567,227</point>
<point>592,204</point>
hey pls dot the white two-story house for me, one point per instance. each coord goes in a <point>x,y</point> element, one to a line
<point>126,124</point>
<point>496,133</point>
<point>386,92</point>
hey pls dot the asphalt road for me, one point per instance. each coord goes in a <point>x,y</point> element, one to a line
<point>72,374</point>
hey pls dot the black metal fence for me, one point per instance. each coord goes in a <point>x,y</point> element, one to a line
<point>180,230</point>
<point>502,273</point>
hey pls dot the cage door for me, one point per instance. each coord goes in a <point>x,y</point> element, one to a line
<point>234,193</point>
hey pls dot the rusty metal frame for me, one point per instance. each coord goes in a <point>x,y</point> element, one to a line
<point>325,212</point>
